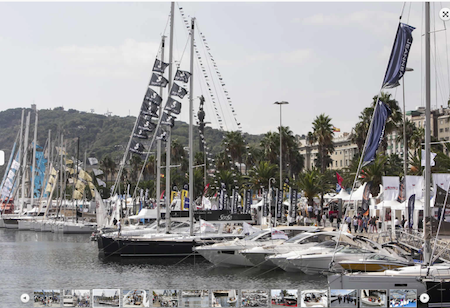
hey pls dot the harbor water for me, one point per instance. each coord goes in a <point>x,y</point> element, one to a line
<point>43,260</point>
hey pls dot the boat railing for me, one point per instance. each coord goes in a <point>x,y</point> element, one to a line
<point>415,239</point>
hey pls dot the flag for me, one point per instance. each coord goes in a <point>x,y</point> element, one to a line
<point>432,156</point>
<point>93,160</point>
<point>411,202</point>
<point>339,179</point>
<point>158,81</point>
<point>338,188</point>
<point>336,130</point>
<point>69,161</point>
<point>442,180</point>
<point>77,195</point>
<point>173,106</point>
<point>178,91</point>
<point>248,201</point>
<point>101,183</point>
<point>265,205</point>
<point>206,189</point>
<point>382,112</point>
<point>182,76</point>
<point>167,119</point>
<point>184,197</point>
<point>441,198</point>
<point>401,191</point>
<point>141,134</point>
<point>365,197</point>
<point>137,147</point>
<point>152,97</point>
<point>15,165</point>
<point>53,172</point>
<point>11,174</point>
<point>277,234</point>
<point>293,208</point>
<point>279,202</point>
<point>399,56</point>
<point>249,229</point>
<point>80,185</point>
<point>149,109</point>
<point>146,125</point>
<point>390,185</point>
<point>162,136</point>
<point>84,175</point>
<point>159,66</point>
<point>206,226</point>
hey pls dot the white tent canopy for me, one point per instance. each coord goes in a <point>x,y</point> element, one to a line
<point>147,214</point>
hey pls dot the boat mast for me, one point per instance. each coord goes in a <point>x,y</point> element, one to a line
<point>426,209</point>
<point>191,135</point>
<point>33,168</point>
<point>24,161</point>
<point>158,152</point>
<point>169,129</point>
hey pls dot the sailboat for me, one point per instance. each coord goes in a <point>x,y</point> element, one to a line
<point>426,277</point>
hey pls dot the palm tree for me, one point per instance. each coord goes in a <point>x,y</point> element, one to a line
<point>136,166</point>
<point>323,133</point>
<point>270,146</point>
<point>374,173</point>
<point>108,166</point>
<point>150,166</point>
<point>261,173</point>
<point>309,183</point>
<point>235,145</point>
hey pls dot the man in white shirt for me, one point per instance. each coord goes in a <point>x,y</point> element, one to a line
<point>396,223</point>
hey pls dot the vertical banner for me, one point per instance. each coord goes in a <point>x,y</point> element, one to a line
<point>340,208</point>
<point>401,191</point>
<point>414,186</point>
<point>293,207</point>
<point>222,199</point>
<point>376,133</point>
<point>411,201</point>
<point>365,198</point>
<point>265,205</point>
<point>248,201</point>
<point>233,202</point>
<point>184,196</point>
<point>279,202</point>
<point>390,185</point>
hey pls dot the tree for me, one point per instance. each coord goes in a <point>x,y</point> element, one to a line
<point>270,144</point>
<point>136,167</point>
<point>309,183</point>
<point>261,173</point>
<point>374,173</point>
<point>323,134</point>
<point>235,145</point>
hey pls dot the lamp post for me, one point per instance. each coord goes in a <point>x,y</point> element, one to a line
<point>281,148</point>
<point>405,144</point>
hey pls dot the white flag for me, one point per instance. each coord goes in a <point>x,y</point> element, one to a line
<point>15,165</point>
<point>390,185</point>
<point>93,160</point>
<point>101,183</point>
<point>97,172</point>
<point>249,229</point>
<point>206,226</point>
<point>11,174</point>
<point>432,156</point>
<point>276,234</point>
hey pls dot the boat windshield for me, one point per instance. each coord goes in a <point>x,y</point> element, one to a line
<point>381,257</point>
<point>254,235</point>
<point>298,237</point>
<point>354,250</point>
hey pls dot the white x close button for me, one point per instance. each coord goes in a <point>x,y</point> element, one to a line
<point>444,14</point>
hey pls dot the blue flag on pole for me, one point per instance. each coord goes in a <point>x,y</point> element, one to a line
<point>382,112</point>
<point>399,56</point>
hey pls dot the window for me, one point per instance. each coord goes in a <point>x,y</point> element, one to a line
<point>446,129</point>
<point>442,122</point>
<point>446,138</point>
<point>441,130</point>
<point>341,163</point>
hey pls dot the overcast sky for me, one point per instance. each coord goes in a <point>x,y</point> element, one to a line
<point>320,57</point>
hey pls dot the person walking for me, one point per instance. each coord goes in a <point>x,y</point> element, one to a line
<point>355,224</point>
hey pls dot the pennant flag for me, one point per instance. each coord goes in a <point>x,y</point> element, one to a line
<point>167,119</point>
<point>11,174</point>
<point>137,147</point>
<point>399,56</point>
<point>205,189</point>
<point>376,134</point>
<point>69,161</point>
<point>158,81</point>
<point>159,66</point>
<point>53,172</point>
<point>101,183</point>
<point>162,136</point>
<point>432,156</point>
<point>182,76</point>
<point>77,195</point>
<point>93,160</point>
<point>206,226</point>
<point>84,175</point>
<point>146,125</point>
<point>277,234</point>
<point>80,185</point>
<point>441,198</point>
<point>15,165</point>
<point>178,91</point>
<point>141,134</point>
<point>152,97</point>
<point>173,106</point>
<point>339,179</point>
<point>149,109</point>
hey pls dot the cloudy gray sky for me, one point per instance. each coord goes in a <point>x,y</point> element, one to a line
<point>320,57</point>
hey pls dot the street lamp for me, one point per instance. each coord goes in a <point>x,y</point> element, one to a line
<point>281,149</point>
